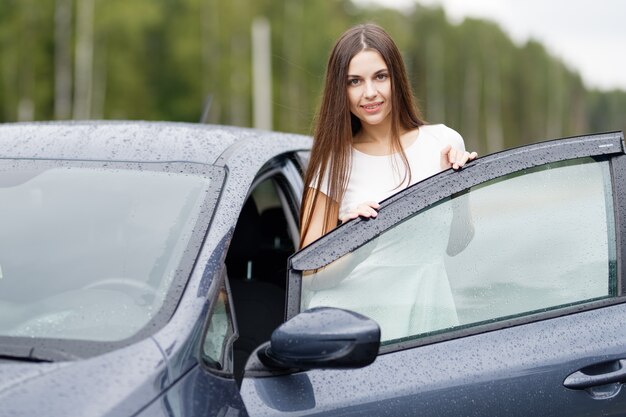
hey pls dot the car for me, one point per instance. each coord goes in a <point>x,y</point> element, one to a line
<point>150,269</point>
<point>114,240</point>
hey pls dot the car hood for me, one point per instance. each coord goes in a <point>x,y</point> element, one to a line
<point>116,383</point>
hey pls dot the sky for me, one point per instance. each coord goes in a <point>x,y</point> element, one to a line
<point>588,35</point>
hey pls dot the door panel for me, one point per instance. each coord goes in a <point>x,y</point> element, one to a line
<point>512,372</point>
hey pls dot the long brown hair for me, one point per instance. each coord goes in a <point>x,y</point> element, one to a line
<point>335,125</point>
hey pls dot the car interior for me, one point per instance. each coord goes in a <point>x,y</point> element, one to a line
<point>257,263</point>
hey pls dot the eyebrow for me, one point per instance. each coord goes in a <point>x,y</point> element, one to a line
<point>376,73</point>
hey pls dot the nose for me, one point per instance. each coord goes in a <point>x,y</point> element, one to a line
<point>370,90</point>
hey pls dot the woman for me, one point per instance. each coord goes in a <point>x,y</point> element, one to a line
<point>369,140</point>
<point>369,143</point>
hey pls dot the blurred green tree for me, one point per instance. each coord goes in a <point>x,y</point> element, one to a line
<point>167,59</point>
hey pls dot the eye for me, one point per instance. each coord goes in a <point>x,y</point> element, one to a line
<point>353,81</point>
<point>382,76</point>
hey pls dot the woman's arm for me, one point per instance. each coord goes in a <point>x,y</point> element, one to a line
<point>314,216</point>
<point>334,273</point>
<point>462,226</point>
<point>316,227</point>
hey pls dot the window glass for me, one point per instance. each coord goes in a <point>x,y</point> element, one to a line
<point>530,241</point>
<point>90,252</point>
<point>215,349</point>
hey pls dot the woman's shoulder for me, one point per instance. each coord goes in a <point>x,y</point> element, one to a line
<point>443,134</point>
<point>439,130</point>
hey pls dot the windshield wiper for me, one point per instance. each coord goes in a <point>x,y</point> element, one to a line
<point>20,358</point>
<point>26,353</point>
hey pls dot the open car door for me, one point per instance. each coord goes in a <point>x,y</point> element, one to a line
<point>498,290</point>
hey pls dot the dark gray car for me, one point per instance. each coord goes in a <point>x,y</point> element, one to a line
<point>113,239</point>
<point>143,266</point>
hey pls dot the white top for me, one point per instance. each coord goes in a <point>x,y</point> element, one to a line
<point>375,178</point>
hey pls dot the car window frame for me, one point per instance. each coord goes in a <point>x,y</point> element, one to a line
<point>286,173</point>
<point>354,234</point>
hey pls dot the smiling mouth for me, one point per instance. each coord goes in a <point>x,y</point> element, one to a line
<point>372,106</point>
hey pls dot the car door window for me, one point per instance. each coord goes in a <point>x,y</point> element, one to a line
<point>517,236</point>
<point>526,242</point>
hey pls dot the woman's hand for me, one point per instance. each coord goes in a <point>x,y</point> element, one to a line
<point>454,158</point>
<point>365,209</point>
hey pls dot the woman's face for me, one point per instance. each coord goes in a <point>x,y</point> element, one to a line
<point>369,87</point>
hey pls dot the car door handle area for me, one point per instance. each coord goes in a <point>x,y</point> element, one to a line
<point>597,375</point>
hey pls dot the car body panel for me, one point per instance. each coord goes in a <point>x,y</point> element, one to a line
<point>198,393</point>
<point>118,141</point>
<point>119,382</point>
<point>512,372</point>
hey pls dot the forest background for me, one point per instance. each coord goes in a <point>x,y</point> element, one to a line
<point>167,59</point>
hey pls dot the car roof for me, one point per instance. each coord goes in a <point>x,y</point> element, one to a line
<point>137,141</point>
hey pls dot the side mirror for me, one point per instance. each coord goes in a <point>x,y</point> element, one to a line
<point>322,338</point>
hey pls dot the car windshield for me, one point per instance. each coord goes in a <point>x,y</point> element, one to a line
<point>89,251</point>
